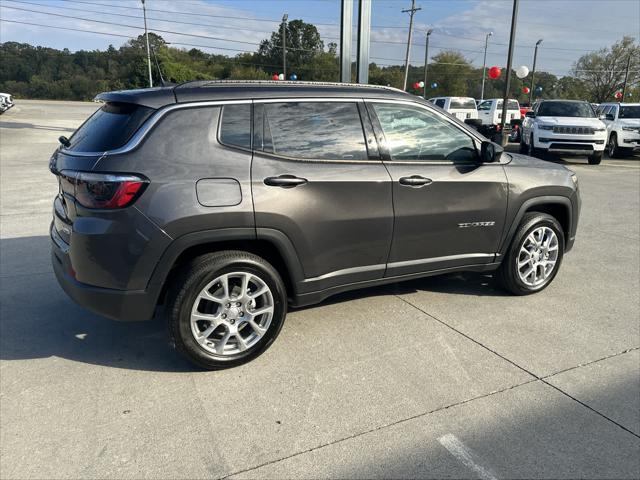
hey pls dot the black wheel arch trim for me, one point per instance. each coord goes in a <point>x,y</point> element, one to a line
<point>538,201</point>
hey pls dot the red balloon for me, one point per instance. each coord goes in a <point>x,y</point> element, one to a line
<point>495,72</point>
<point>416,85</point>
<point>618,95</point>
<point>275,76</point>
<point>526,89</point>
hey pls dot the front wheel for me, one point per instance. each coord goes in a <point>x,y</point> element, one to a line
<point>612,146</point>
<point>534,256</point>
<point>595,158</point>
<point>533,151</point>
<point>225,309</point>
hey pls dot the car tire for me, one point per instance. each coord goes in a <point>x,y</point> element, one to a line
<point>533,151</point>
<point>595,158</point>
<point>524,149</point>
<point>613,150</point>
<point>210,324</point>
<point>512,274</point>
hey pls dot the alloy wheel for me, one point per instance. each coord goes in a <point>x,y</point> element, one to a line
<point>538,256</point>
<point>232,313</point>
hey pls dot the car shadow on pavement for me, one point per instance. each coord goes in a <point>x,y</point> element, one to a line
<point>38,320</point>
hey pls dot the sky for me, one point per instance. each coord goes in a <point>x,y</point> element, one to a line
<point>569,28</point>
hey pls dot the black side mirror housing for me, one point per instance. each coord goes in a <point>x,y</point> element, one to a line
<point>609,116</point>
<point>530,114</point>
<point>490,152</point>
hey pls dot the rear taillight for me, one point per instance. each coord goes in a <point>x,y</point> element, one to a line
<point>106,191</point>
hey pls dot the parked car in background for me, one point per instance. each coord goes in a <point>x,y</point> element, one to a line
<point>6,102</point>
<point>228,201</point>
<point>568,127</point>
<point>462,108</point>
<point>623,127</point>
<point>490,111</point>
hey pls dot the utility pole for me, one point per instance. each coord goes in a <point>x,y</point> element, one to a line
<point>484,64</point>
<point>284,45</point>
<point>426,63</point>
<point>626,76</point>
<point>411,11</point>
<point>505,100</point>
<point>533,72</point>
<point>146,32</point>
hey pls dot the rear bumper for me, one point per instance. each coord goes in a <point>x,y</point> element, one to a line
<point>128,305</point>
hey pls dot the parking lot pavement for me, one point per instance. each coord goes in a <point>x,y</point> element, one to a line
<point>441,377</point>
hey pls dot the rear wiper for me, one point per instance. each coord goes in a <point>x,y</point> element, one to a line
<point>64,141</point>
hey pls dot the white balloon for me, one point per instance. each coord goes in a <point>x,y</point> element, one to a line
<point>281,76</point>
<point>522,71</point>
<point>421,84</point>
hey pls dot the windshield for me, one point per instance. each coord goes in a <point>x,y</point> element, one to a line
<point>462,104</point>
<point>565,109</point>
<point>629,111</point>
<point>109,128</point>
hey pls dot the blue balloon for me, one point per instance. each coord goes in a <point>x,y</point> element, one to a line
<point>293,77</point>
<point>434,85</point>
<point>538,89</point>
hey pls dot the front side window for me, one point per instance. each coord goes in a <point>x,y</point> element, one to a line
<point>415,134</point>
<point>312,130</point>
<point>485,106</point>
<point>235,125</point>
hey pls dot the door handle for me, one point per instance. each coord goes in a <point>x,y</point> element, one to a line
<point>415,181</point>
<point>285,181</point>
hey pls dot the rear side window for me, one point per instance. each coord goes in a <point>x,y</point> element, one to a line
<point>311,130</point>
<point>109,128</point>
<point>511,105</point>
<point>235,125</point>
<point>463,104</point>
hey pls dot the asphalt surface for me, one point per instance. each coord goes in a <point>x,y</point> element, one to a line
<point>442,377</point>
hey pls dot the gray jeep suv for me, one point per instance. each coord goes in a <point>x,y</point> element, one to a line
<point>225,202</point>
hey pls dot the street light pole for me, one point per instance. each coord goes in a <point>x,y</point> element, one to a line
<point>411,11</point>
<point>426,62</point>
<point>533,71</point>
<point>284,45</point>
<point>146,33</point>
<point>505,100</point>
<point>484,64</point>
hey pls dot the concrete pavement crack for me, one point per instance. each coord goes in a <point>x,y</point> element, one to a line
<point>542,379</point>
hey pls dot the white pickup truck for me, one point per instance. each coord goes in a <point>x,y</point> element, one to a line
<point>566,127</point>
<point>463,108</point>
<point>490,111</point>
<point>623,127</point>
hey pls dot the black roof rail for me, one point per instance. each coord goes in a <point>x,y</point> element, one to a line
<point>213,83</point>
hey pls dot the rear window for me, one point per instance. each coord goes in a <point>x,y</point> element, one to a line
<point>462,104</point>
<point>109,128</point>
<point>235,126</point>
<point>511,105</point>
<point>565,109</point>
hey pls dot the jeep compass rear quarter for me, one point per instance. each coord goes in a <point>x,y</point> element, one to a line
<point>224,202</point>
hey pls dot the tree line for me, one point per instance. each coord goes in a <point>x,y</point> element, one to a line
<point>46,73</point>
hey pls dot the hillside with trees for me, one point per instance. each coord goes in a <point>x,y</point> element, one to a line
<point>46,73</point>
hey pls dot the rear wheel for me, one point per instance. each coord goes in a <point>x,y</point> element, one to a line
<point>534,256</point>
<point>225,309</point>
<point>595,158</point>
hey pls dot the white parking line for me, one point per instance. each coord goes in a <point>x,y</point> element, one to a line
<point>462,453</point>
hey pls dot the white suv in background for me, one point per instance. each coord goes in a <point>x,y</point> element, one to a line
<point>623,127</point>
<point>462,108</point>
<point>490,111</point>
<point>567,127</point>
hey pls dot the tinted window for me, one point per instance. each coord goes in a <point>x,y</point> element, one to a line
<point>109,128</point>
<point>414,133</point>
<point>440,102</point>
<point>630,111</point>
<point>511,105</point>
<point>313,130</point>
<point>565,109</point>
<point>235,125</point>
<point>462,103</point>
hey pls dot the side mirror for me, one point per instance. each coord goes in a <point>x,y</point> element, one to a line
<point>609,116</point>
<point>490,152</point>
<point>530,114</point>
